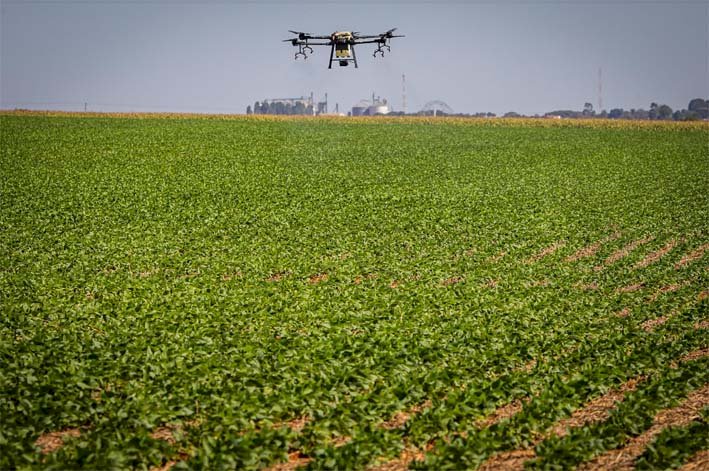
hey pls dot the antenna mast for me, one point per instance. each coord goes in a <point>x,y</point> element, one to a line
<point>600,89</point>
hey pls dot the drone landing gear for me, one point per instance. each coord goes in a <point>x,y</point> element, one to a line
<point>303,51</point>
<point>380,49</point>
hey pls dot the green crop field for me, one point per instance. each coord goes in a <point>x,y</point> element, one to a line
<point>352,294</point>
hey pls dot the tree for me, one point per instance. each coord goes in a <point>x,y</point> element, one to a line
<point>257,108</point>
<point>664,112</point>
<point>616,113</point>
<point>641,114</point>
<point>588,109</point>
<point>652,114</point>
<point>700,107</point>
<point>248,110</point>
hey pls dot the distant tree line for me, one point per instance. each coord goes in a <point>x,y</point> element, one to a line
<point>279,107</point>
<point>442,113</point>
<point>698,108</point>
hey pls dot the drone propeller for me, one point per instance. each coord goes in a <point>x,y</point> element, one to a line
<point>390,34</point>
<point>301,35</point>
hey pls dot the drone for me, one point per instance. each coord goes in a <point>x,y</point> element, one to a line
<point>342,44</point>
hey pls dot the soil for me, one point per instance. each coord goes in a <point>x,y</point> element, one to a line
<point>698,462</point>
<point>631,288</point>
<point>666,289</point>
<point>452,280</point>
<point>547,251</point>
<point>295,460</point>
<point>594,411</point>
<point>650,324</point>
<point>278,276</point>
<point>400,418</point>
<point>656,255</point>
<point>625,312</point>
<point>624,252</point>
<point>51,441</point>
<point>502,413</point>
<point>624,458</point>
<point>590,250</point>
<point>696,254</point>
<point>319,278</point>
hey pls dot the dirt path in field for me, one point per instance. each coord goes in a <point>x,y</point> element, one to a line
<point>400,418</point>
<point>698,462</point>
<point>596,410</point>
<point>666,289</point>
<point>546,251</point>
<point>276,277</point>
<point>411,454</point>
<point>624,458</point>
<point>696,254</point>
<point>52,441</point>
<point>591,250</point>
<point>502,413</point>
<point>295,460</point>
<point>402,462</point>
<point>318,278</point>
<point>656,255</point>
<point>651,324</point>
<point>624,252</point>
<point>631,288</point>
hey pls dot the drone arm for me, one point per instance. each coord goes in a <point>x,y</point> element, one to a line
<point>368,42</point>
<point>304,43</point>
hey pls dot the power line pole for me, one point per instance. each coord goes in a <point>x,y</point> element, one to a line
<point>403,93</point>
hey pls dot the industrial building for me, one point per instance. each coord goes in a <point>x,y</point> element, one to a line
<point>304,105</point>
<point>372,107</point>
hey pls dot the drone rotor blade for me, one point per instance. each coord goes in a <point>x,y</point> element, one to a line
<point>301,35</point>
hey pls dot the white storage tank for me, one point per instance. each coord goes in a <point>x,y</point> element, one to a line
<point>378,109</point>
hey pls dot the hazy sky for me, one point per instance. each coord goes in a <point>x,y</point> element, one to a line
<point>221,55</point>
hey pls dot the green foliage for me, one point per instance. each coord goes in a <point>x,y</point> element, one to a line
<point>169,273</point>
<point>633,416</point>
<point>675,445</point>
